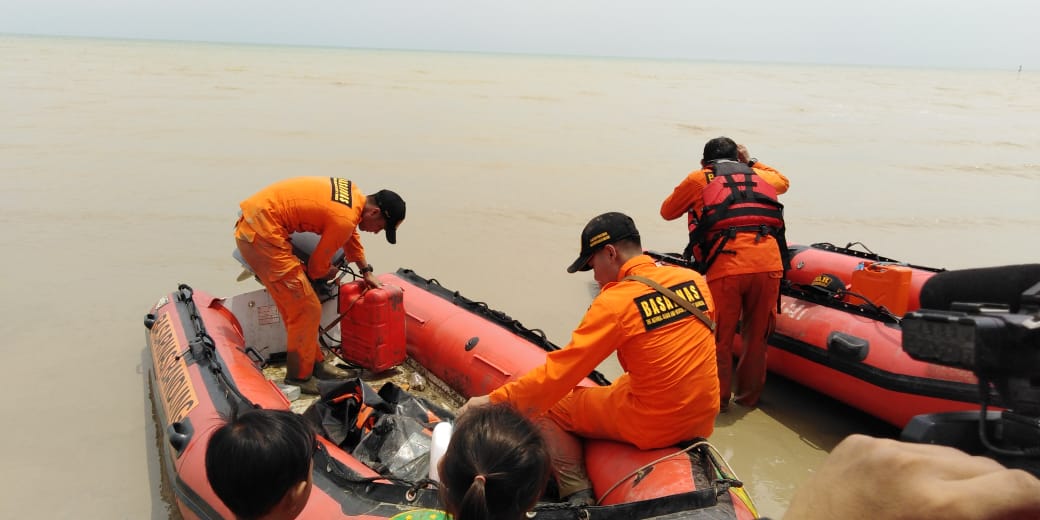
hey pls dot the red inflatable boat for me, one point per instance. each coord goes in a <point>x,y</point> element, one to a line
<point>208,354</point>
<point>838,332</point>
<point>839,328</point>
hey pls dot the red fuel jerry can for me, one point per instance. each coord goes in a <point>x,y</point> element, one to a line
<point>372,327</point>
<point>884,284</point>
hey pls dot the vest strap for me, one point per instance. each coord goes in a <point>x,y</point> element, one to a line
<point>691,308</point>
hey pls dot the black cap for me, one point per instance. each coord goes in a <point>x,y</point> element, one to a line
<point>392,207</point>
<point>828,284</point>
<point>600,231</point>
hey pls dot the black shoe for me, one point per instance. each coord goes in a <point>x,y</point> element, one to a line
<point>581,498</point>
<point>324,370</point>
<point>307,386</point>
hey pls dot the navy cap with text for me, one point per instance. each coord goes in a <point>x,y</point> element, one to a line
<point>604,229</point>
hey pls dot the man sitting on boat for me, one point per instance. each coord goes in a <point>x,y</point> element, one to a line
<point>333,208</point>
<point>658,320</point>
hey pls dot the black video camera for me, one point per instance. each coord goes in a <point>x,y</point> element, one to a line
<point>997,337</point>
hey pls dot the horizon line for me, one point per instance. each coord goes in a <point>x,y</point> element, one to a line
<point>1013,68</point>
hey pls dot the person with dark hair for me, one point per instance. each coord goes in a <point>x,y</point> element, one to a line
<point>658,321</point>
<point>496,465</point>
<point>737,240</point>
<point>333,208</point>
<point>259,464</point>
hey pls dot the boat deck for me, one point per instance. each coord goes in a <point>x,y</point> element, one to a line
<point>410,376</point>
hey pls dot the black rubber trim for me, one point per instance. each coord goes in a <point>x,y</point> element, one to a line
<point>964,392</point>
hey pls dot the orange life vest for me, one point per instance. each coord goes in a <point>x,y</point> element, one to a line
<point>736,200</point>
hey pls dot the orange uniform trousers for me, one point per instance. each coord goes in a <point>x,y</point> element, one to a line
<point>283,275</point>
<point>749,299</point>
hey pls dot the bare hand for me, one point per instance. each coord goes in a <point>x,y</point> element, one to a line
<point>372,281</point>
<point>742,154</point>
<point>865,477</point>
<point>473,402</point>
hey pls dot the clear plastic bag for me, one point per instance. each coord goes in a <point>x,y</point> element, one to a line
<point>398,446</point>
<point>389,431</point>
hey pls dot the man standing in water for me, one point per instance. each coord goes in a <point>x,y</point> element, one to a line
<point>737,239</point>
<point>658,320</point>
<point>335,209</point>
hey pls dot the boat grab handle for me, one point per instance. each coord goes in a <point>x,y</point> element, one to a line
<point>847,346</point>
<point>418,319</point>
<point>490,364</point>
<point>180,435</point>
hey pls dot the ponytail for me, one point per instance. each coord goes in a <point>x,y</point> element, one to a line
<point>496,465</point>
<point>474,504</point>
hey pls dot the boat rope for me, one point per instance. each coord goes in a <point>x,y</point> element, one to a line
<point>206,353</point>
<point>829,299</point>
<point>729,477</point>
<point>535,336</point>
<point>807,292</point>
<point>868,306</point>
<point>669,258</point>
<point>868,255</point>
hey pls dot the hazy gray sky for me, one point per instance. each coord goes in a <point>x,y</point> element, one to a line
<point>999,34</point>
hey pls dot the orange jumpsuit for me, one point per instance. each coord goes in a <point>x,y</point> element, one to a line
<point>669,391</point>
<point>746,282</point>
<point>330,207</point>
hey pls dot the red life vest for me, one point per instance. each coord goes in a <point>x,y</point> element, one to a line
<point>736,200</point>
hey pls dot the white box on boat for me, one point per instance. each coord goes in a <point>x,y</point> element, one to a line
<point>292,392</point>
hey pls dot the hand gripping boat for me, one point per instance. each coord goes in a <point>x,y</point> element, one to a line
<point>839,328</point>
<point>207,354</point>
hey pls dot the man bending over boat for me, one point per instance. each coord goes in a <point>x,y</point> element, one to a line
<point>333,208</point>
<point>737,239</point>
<point>658,320</point>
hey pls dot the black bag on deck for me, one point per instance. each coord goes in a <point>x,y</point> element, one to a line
<point>399,443</point>
<point>346,411</point>
<point>389,430</point>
